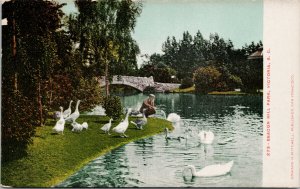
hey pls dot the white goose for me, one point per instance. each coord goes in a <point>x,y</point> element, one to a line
<point>211,170</point>
<point>139,123</point>
<point>206,137</point>
<point>74,115</point>
<point>107,126</point>
<point>85,125</point>
<point>173,117</point>
<point>76,127</point>
<point>67,112</point>
<point>60,124</point>
<point>122,127</point>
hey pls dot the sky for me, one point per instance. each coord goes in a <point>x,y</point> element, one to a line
<point>241,21</point>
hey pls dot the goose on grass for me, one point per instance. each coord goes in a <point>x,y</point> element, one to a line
<point>74,115</point>
<point>122,126</point>
<point>60,124</point>
<point>107,126</point>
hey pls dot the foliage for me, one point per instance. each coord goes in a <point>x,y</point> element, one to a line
<point>158,69</point>
<point>53,158</point>
<point>149,89</point>
<point>234,82</point>
<point>186,83</point>
<point>59,92</point>
<point>192,52</point>
<point>103,30</point>
<point>206,79</point>
<point>113,107</point>
<point>89,92</point>
<point>18,120</point>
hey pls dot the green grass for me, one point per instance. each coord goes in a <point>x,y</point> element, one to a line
<point>52,158</point>
<point>186,90</point>
<point>192,90</point>
<point>227,93</point>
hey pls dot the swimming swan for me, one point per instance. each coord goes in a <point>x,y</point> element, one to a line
<point>211,170</point>
<point>173,117</point>
<point>167,137</point>
<point>206,137</point>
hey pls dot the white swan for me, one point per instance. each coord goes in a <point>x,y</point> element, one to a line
<point>139,123</point>
<point>85,125</point>
<point>225,141</point>
<point>107,126</point>
<point>60,124</point>
<point>76,127</point>
<point>173,117</point>
<point>122,127</point>
<point>206,137</point>
<point>211,170</point>
<point>74,115</point>
<point>167,137</point>
<point>67,112</point>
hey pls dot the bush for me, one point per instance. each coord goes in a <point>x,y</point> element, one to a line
<point>234,82</point>
<point>113,107</point>
<point>89,92</point>
<point>149,89</point>
<point>19,118</point>
<point>186,83</point>
<point>206,79</point>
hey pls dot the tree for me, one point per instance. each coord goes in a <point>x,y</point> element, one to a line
<point>106,32</point>
<point>206,79</point>
<point>29,56</point>
<point>158,69</point>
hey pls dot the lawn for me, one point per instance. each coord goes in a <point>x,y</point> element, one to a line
<point>186,90</point>
<point>192,90</point>
<point>52,158</point>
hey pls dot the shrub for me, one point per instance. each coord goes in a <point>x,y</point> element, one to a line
<point>19,118</point>
<point>149,89</point>
<point>234,82</point>
<point>113,107</point>
<point>89,92</point>
<point>186,83</point>
<point>206,79</point>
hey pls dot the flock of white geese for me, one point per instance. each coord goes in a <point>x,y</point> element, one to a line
<point>205,137</point>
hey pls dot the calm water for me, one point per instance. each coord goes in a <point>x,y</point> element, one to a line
<point>236,122</point>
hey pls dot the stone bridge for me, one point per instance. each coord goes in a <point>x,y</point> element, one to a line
<point>140,83</point>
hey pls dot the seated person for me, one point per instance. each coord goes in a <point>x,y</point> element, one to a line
<point>148,105</point>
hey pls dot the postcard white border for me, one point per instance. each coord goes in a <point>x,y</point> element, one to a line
<point>281,93</point>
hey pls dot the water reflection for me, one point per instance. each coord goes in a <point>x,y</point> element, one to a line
<point>236,122</point>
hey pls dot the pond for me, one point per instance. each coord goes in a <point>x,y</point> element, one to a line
<point>236,122</point>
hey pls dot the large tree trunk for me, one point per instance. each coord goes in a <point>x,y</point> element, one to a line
<point>106,79</point>
<point>106,73</point>
<point>39,99</point>
<point>14,53</point>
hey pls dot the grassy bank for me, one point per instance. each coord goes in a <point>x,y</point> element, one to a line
<point>192,90</point>
<point>52,158</point>
<point>186,90</point>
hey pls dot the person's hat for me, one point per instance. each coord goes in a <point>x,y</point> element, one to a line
<point>152,95</point>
